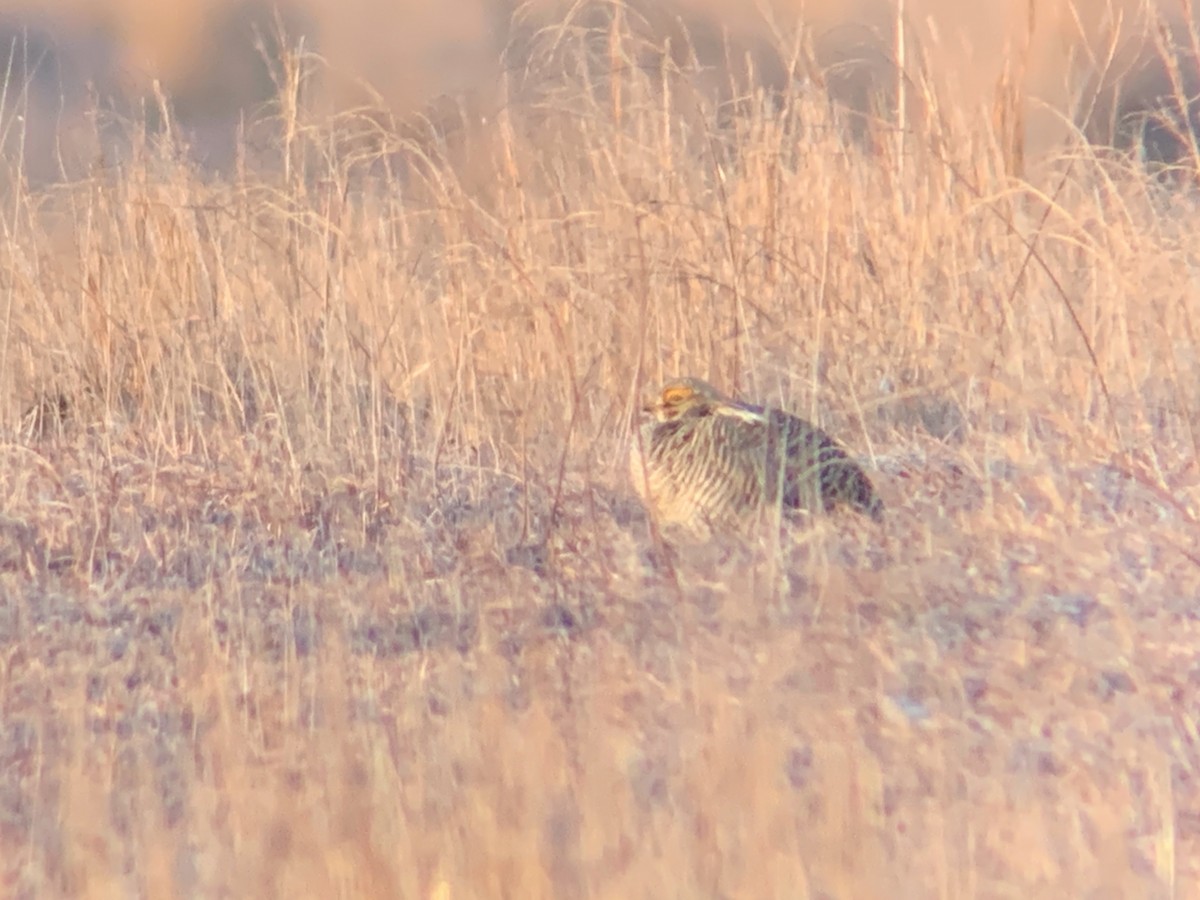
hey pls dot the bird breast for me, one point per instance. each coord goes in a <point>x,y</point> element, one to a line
<point>701,468</point>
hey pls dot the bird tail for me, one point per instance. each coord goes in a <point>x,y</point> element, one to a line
<point>865,498</point>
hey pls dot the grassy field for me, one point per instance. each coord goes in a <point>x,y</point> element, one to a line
<point>321,575</point>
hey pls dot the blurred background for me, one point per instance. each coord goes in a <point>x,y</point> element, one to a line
<point>1098,65</point>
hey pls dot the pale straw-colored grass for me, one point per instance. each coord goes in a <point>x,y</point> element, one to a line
<point>320,576</point>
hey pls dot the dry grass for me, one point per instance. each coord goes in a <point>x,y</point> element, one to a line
<point>1116,58</point>
<point>320,576</point>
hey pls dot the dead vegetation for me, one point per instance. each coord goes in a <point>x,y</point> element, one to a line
<point>320,576</point>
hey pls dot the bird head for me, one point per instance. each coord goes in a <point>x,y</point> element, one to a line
<point>683,397</point>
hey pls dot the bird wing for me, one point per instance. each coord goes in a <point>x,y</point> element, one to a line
<point>818,471</point>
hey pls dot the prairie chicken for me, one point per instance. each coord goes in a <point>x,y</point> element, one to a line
<point>708,461</point>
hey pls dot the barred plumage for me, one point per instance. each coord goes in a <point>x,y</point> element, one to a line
<point>706,461</point>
